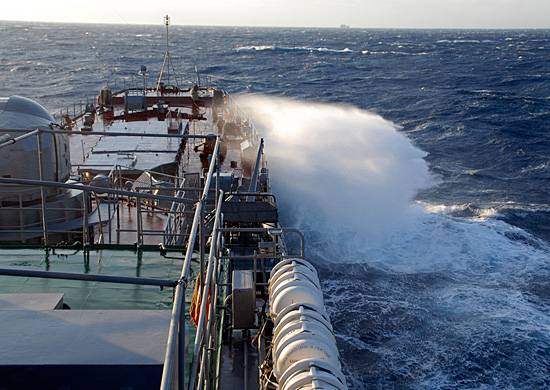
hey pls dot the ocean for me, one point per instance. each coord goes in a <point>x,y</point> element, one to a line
<point>423,177</point>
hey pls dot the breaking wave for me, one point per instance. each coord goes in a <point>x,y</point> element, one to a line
<point>341,163</point>
<point>293,48</point>
<point>430,296</point>
<point>469,41</point>
<point>399,53</point>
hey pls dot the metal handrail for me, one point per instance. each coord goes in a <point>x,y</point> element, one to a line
<point>204,295</point>
<point>88,188</point>
<point>88,277</point>
<point>256,172</point>
<point>110,133</point>
<point>274,231</point>
<point>175,211</point>
<point>11,141</point>
<point>175,344</point>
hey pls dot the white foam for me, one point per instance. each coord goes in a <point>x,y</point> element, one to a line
<point>293,48</point>
<point>347,166</point>
<point>462,41</point>
<point>350,177</point>
<point>467,247</point>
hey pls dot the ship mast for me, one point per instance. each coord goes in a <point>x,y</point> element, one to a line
<point>167,62</point>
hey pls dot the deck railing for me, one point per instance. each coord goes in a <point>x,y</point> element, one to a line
<point>87,192</point>
<point>175,353</point>
<point>204,364</point>
<point>113,200</point>
<point>175,345</point>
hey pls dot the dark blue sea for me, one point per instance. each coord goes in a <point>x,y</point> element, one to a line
<point>456,296</point>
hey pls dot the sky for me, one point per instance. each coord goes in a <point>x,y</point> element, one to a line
<point>290,13</point>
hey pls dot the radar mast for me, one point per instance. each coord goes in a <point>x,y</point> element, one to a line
<point>167,63</point>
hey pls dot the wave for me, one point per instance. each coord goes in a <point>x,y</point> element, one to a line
<point>489,210</point>
<point>464,210</point>
<point>418,294</point>
<point>448,301</point>
<point>315,148</point>
<point>399,53</point>
<point>293,48</point>
<point>471,41</point>
<point>542,167</point>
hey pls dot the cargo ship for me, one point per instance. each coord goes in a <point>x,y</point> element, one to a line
<point>141,248</point>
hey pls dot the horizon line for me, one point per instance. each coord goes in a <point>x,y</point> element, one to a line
<point>339,27</point>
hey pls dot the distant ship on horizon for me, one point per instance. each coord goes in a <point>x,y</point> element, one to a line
<point>344,26</point>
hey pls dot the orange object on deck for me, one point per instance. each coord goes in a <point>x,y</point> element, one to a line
<point>195,307</point>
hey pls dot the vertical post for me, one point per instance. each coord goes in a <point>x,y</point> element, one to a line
<point>42,193</point>
<point>109,216</point>
<point>254,268</point>
<point>202,238</point>
<point>145,83</point>
<point>167,23</point>
<point>138,216</point>
<point>245,358</point>
<point>255,173</point>
<point>181,346</point>
<point>210,346</point>
<point>118,205</point>
<point>98,204</point>
<point>21,220</point>
<point>85,234</point>
<point>204,372</point>
<point>217,174</point>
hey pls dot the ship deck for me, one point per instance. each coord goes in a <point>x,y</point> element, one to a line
<point>93,295</point>
<point>125,158</point>
<point>125,324</point>
<point>132,222</point>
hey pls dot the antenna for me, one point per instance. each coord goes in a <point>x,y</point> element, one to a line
<point>167,24</point>
<point>167,62</point>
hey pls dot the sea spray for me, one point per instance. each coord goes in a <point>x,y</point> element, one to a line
<point>414,292</point>
<point>337,166</point>
<point>349,179</point>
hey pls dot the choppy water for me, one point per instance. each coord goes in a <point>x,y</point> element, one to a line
<point>457,296</point>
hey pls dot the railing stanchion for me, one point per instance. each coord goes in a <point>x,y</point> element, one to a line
<point>181,349</point>
<point>85,234</point>
<point>201,240</point>
<point>118,186</point>
<point>42,192</point>
<point>109,216</point>
<point>138,218</point>
<point>100,226</point>
<point>217,175</point>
